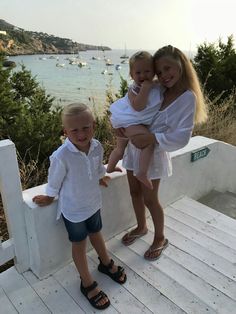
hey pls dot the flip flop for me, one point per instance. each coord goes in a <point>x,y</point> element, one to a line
<point>129,238</point>
<point>158,250</point>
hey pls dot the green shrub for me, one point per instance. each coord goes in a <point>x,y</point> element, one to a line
<point>27,116</point>
<point>216,68</point>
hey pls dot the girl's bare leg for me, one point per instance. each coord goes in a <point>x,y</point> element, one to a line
<point>117,153</point>
<point>139,208</point>
<point>152,203</point>
<point>80,260</point>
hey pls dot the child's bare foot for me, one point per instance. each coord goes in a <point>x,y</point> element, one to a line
<point>113,169</point>
<point>143,178</point>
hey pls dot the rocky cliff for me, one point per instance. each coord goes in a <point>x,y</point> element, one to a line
<point>17,41</point>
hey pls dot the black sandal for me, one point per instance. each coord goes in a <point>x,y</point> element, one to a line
<point>94,300</point>
<point>107,270</point>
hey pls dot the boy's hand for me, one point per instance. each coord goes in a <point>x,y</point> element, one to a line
<point>43,200</point>
<point>104,181</point>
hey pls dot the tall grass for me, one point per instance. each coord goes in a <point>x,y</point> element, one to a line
<point>221,123</point>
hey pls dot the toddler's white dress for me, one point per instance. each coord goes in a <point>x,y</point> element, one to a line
<point>123,114</point>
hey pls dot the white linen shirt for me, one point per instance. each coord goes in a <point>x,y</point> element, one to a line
<point>124,115</point>
<point>74,176</point>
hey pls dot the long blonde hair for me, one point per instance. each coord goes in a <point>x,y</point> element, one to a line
<point>188,76</point>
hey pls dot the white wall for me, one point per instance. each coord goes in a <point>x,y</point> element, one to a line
<point>48,243</point>
<point>11,193</point>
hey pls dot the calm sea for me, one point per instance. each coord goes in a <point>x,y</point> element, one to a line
<point>69,83</point>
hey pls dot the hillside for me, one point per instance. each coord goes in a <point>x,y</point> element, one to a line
<point>18,41</point>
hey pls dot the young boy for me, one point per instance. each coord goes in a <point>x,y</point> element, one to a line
<point>75,172</point>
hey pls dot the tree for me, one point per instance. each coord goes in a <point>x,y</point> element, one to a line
<point>216,68</point>
<point>27,115</point>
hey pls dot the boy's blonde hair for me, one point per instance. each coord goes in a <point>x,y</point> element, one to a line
<point>189,78</point>
<point>75,109</point>
<point>139,56</point>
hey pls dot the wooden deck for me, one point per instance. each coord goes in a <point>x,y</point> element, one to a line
<point>196,273</point>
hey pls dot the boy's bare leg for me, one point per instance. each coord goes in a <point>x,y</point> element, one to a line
<point>117,153</point>
<point>99,245</point>
<point>80,260</point>
<point>145,154</point>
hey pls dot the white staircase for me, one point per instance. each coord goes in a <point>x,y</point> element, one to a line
<point>196,273</point>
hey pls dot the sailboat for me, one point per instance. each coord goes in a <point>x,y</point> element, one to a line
<point>124,56</point>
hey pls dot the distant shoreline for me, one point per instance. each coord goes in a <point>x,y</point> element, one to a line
<point>53,53</point>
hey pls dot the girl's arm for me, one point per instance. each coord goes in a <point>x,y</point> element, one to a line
<point>179,130</point>
<point>139,99</point>
<point>143,140</point>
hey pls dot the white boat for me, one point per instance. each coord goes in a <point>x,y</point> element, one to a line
<point>104,72</point>
<point>124,56</point>
<point>125,61</point>
<point>60,65</point>
<point>109,63</point>
<point>96,58</point>
<point>118,67</point>
<point>82,64</point>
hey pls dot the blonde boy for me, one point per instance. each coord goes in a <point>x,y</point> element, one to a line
<point>76,169</point>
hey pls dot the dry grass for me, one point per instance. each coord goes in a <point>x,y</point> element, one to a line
<point>221,123</point>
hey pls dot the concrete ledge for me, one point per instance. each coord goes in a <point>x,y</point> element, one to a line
<point>49,246</point>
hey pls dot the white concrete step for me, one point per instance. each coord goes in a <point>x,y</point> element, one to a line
<point>222,202</point>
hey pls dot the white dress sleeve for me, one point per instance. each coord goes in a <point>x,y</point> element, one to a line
<point>180,121</point>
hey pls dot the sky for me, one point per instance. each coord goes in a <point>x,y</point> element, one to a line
<point>134,24</point>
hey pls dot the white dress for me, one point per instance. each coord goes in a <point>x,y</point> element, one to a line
<point>123,114</point>
<point>172,128</point>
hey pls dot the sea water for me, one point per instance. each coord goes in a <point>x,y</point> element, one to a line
<point>69,83</point>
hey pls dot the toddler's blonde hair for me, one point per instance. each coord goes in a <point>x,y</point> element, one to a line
<point>189,78</point>
<point>139,56</point>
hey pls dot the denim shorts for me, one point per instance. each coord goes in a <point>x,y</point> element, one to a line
<point>78,231</point>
